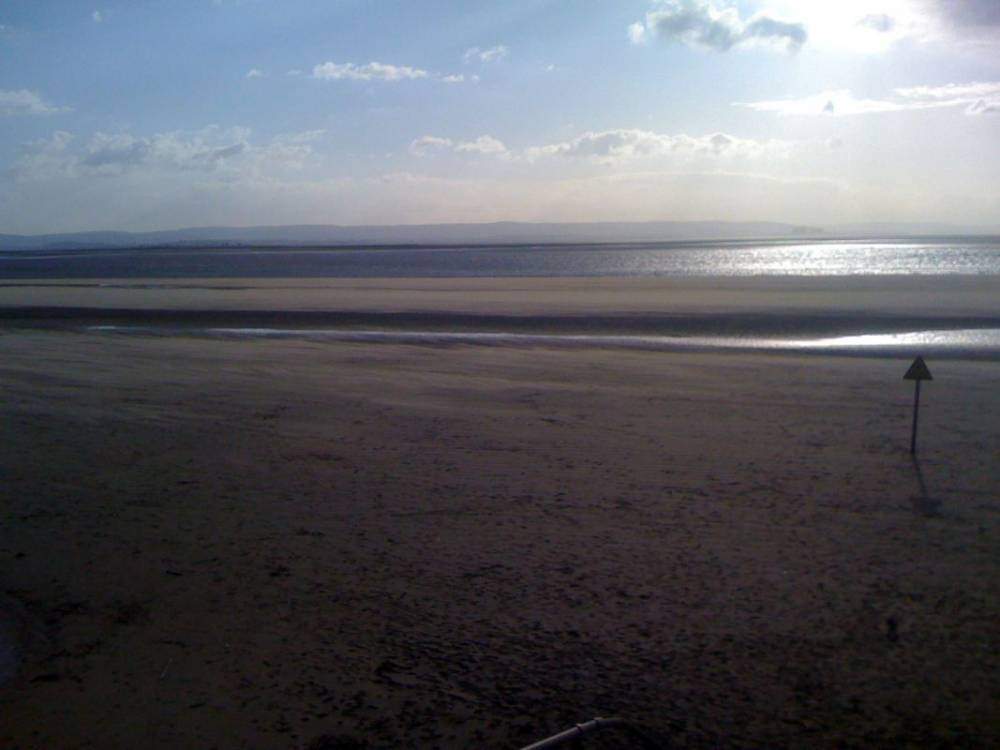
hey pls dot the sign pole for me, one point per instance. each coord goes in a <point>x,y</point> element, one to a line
<point>918,371</point>
<point>916,414</point>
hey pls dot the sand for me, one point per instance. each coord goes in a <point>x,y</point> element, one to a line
<point>947,296</point>
<point>266,543</point>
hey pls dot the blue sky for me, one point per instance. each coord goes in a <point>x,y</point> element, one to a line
<point>148,114</point>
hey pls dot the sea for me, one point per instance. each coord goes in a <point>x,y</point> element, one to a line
<point>823,262</point>
<point>935,257</point>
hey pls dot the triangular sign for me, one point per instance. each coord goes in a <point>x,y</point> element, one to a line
<point>918,371</point>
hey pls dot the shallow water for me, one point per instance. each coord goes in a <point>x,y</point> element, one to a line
<point>958,343</point>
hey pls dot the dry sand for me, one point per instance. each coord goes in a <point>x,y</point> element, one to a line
<point>258,544</point>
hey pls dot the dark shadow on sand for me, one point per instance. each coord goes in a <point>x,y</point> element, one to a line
<point>923,503</point>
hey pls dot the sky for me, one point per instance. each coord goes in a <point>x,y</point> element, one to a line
<point>159,114</point>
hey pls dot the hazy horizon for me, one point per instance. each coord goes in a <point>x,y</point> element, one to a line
<point>205,113</point>
<point>502,233</point>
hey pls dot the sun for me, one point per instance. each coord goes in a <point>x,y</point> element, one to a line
<point>858,26</point>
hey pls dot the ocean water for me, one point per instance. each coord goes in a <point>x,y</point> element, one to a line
<point>954,256</point>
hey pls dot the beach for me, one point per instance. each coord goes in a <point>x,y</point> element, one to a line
<point>273,543</point>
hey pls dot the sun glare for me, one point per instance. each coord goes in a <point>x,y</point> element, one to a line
<point>858,26</point>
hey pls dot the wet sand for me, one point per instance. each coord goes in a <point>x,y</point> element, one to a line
<point>946,296</point>
<point>264,543</point>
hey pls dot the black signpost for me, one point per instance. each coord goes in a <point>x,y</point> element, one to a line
<point>918,371</point>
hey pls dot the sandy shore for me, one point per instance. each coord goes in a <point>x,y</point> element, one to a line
<point>851,295</point>
<point>259,544</point>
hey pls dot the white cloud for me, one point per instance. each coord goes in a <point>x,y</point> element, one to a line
<point>484,144</point>
<point>371,71</point>
<point>637,33</point>
<point>255,73</point>
<point>24,102</point>
<point>976,97</point>
<point>97,16</point>
<point>951,91</point>
<point>492,54</point>
<point>613,146</point>
<point>700,23</point>
<point>459,78</point>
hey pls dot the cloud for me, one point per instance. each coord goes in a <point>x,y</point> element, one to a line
<point>878,22</point>
<point>223,153</point>
<point>421,146</point>
<point>111,153</point>
<point>484,144</point>
<point>699,23</point>
<point>951,91</point>
<point>984,107</point>
<point>459,78</point>
<point>373,71</point>
<point>493,54</point>
<point>612,146</point>
<point>977,98</point>
<point>255,73</point>
<point>840,102</point>
<point>44,158</point>
<point>97,16</point>
<point>968,22</point>
<point>967,13</point>
<point>24,102</point>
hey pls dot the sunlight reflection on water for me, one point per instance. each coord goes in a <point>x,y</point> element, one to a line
<point>970,338</point>
<point>959,342</point>
<point>942,257</point>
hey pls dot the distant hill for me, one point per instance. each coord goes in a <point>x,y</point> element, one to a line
<point>463,234</point>
<point>911,229</point>
<point>415,234</point>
